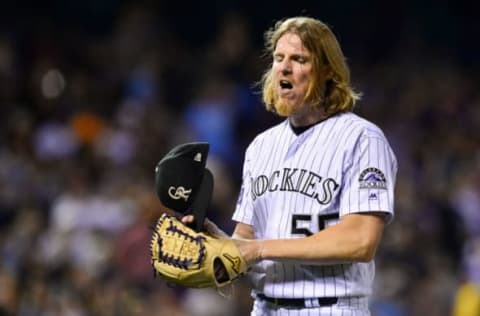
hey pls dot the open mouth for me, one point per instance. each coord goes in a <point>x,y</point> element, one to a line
<point>285,84</point>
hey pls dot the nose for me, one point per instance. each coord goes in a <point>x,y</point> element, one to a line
<point>286,71</point>
<point>286,67</point>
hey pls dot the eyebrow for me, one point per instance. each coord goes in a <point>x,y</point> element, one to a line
<point>292,55</point>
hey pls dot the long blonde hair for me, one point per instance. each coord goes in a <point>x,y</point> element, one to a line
<point>334,92</point>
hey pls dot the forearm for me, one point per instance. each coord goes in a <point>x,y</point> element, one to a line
<point>347,241</point>
<point>354,239</point>
<point>320,248</point>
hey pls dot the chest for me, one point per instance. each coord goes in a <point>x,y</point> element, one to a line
<point>308,167</point>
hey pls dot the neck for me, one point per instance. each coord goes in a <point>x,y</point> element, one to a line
<point>308,118</point>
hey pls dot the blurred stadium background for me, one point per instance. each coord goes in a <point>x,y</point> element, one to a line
<point>93,94</point>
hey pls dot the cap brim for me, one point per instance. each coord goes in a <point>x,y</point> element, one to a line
<point>202,200</point>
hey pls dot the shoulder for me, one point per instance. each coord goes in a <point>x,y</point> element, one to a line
<point>363,135</point>
<point>268,136</point>
<point>366,135</point>
<point>359,126</point>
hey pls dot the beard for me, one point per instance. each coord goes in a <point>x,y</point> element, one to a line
<point>284,109</point>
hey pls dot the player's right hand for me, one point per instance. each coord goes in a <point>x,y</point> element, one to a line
<point>188,219</point>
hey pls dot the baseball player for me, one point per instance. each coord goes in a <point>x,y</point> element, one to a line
<point>317,188</point>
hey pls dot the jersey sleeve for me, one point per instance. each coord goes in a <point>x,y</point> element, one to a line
<point>369,179</point>
<point>244,209</point>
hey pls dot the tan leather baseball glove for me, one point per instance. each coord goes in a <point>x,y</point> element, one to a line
<point>185,257</point>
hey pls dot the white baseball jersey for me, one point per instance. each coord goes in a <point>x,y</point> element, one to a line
<point>296,185</point>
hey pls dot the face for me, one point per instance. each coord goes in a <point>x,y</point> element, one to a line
<point>292,71</point>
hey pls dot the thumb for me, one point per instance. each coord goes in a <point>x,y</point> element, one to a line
<point>188,219</point>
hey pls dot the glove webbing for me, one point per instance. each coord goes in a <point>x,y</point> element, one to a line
<point>171,259</point>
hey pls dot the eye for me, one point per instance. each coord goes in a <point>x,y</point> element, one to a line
<point>278,58</point>
<point>301,59</point>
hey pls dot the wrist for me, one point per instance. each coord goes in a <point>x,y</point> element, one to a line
<point>261,250</point>
<point>251,250</point>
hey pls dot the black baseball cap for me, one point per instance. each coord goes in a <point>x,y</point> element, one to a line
<point>182,181</point>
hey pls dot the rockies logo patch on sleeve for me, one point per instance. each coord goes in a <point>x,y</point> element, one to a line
<point>372,178</point>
